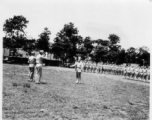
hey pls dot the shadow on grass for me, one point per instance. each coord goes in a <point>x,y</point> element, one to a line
<point>81,83</point>
<point>43,82</point>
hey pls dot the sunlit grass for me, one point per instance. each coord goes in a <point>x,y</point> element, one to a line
<point>97,98</point>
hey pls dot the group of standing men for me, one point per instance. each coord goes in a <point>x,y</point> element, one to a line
<point>138,73</point>
<point>131,72</point>
<point>36,63</point>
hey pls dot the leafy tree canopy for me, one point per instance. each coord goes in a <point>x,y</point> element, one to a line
<point>29,45</point>
<point>15,34</point>
<point>66,43</point>
<point>43,41</point>
<point>15,26</point>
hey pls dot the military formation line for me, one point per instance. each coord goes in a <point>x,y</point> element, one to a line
<point>129,72</point>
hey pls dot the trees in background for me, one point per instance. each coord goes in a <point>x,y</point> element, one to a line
<point>87,47</point>
<point>42,42</point>
<point>121,57</point>
<point>106,50</point>
<point>29,45</point>
<point>131,55</point>
<point>100,50</point>
<point>15,37</point>
<point>15,32</point>
<point>143,56</point>
<point>114,48</point>
<point>68,44</point>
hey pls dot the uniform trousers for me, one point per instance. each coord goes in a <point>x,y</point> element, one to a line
<point>78,75</point>
<point>31,73</point>
<point>38,73</point>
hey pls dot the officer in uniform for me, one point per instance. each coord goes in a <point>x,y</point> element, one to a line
<point>84,66</point>
<point>83,62</point>
<point>88,70</point>
<point>125,71</point>
<point>79,68</point>
<point>138,73</point>
<point>107,68</point>
<point>128,72</point>
<point>141,73</point>
<point>91,67</point>
<point>95,68</point>
<point>130,75</point>
<point>39,64</point>
<point>144,74</point>
<point>87,66</point>
<point>115,69</point>
<point>121,69</point>
<point>132,72</point>
<point>112,69</point>
<point>32,62</point>
<point>104,68</point>
<point>148,72</point>
<point>101,68</point>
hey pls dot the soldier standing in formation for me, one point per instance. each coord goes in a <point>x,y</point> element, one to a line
<point>129,72</point>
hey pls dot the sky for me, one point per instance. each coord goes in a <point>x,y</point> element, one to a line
<point>131,20</point>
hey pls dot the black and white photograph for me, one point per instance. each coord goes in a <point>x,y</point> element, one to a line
<point>75,59</point>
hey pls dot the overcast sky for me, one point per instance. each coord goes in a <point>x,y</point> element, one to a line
<point>131,20</point>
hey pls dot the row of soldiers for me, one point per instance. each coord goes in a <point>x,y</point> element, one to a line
<point>131,72</point>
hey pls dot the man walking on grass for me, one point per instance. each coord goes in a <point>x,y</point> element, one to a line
<point>78,67</point>
<point>39,63</point>
<point>32,62</point>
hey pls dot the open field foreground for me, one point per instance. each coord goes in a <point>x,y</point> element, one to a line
<point>98,97</point>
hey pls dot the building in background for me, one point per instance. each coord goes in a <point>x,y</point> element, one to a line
<point>21,53</point>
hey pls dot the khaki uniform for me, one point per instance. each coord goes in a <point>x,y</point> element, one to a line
<point>148,71</point>
<point>145,74</point>
<point>138,73</point>
<point>39,64</point>
<point>84,66</point>
<point>32,62</point>
<point>79,69</point>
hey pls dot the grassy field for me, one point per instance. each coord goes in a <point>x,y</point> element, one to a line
<point>98,97</point>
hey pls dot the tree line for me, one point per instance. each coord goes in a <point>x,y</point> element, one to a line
<point>68,44</point>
